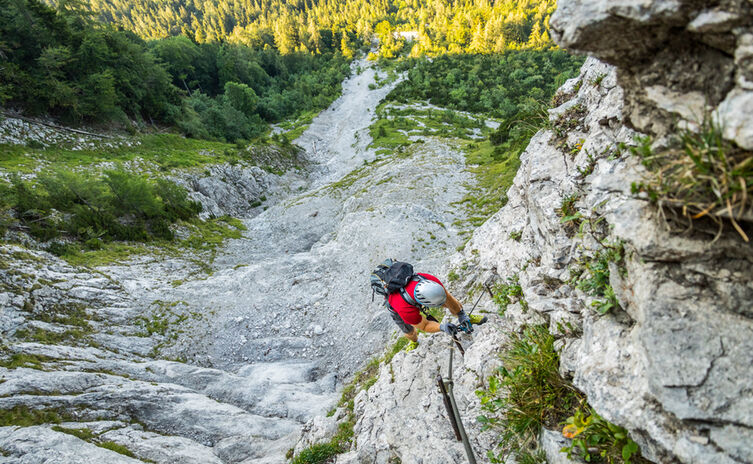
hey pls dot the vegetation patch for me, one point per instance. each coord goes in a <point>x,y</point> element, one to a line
<point>163,317</point>
<point>97,220</point>
<point>351,178</point>
<point>72,314</point>
<point>112,446</point>
<point>421,120</point>
<point>597,440</point>
<point>294,128</point>
<point>525,394</point>
<point>161,152</point>
<point>592,276</point>
<point>569,215</point>
<point>318,453</point>
<point>111,252</point>
<point>208,235</point>
<point>588,168</point>
<point>117,206</point>
<point>395,349</point>
<point>321,453</point>
<point>362,380</point>
<point>389,135</point>
<point>83,434</point>
<point>570,120</point>
<point>506,293</point>
<point>49,337</point>
<point>700,176</point>
<point>22,416</point>
<point>562,97</point>
<point>32,361</point>
<point>203,236</point>
<point>88,436</point>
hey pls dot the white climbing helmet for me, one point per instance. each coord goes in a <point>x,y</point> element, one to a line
<point>429,293</point>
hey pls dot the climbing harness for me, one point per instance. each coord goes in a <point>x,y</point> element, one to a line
<point>445,388</point>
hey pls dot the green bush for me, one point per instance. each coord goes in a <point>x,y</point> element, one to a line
<point>593,278</point>
<point>117,206</point>
<point>319,453</point>
<point>595,439</point>
<point>525,393</point>
<point>507,293</point>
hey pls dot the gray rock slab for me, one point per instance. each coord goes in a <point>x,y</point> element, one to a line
<point>161,448</point>
<point>39,444</point>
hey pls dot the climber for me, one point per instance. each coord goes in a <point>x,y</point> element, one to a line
<point>427,291</point>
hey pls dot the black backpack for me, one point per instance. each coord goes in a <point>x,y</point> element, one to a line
<point>392,276</point>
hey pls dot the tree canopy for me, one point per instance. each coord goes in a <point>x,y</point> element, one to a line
<point>439,26</point>
<point>60,62</point>
<point>224,69</point>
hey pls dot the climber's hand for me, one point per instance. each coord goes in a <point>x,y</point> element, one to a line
<point>449,328</point>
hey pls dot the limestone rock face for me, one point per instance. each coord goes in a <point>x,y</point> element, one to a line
<point>23,444</point>
<point>672,364</point>
<point>244,189</point>
<point>681,59</point>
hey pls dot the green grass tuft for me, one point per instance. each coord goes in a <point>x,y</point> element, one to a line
<point>31,361</point>
<point>83,434</point>
<point>526,393</point>
<point>700,175</point>
<point>22,416</point>
<point>112,446</point>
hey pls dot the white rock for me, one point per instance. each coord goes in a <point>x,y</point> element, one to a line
<point>735,114</point>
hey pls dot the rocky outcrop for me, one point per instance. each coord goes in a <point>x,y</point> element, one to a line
<point>236,190</point>
<point>681,59</point>
<point>17,130</point>
<point>668,365</point>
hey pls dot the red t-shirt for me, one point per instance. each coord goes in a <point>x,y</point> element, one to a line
<point>409,313</point>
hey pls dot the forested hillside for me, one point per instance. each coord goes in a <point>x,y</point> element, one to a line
<point>225,70</point>
<point>62,63</point>
<point>316,25</point>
